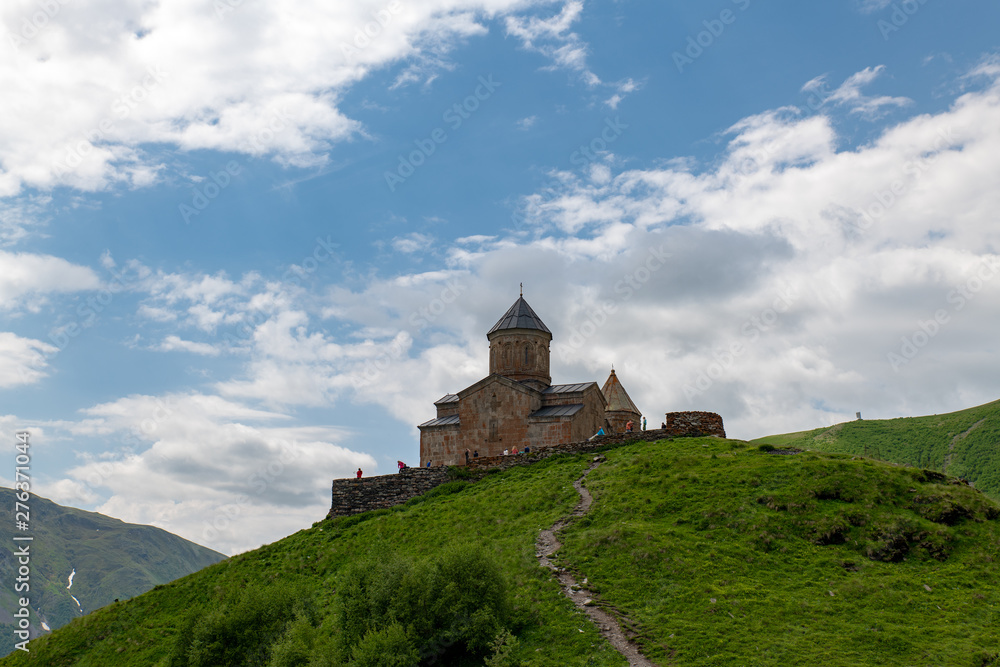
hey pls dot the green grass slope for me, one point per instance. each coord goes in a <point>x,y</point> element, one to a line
<point>112,559</point>
<point>964,444</point>
<point>715,552</point>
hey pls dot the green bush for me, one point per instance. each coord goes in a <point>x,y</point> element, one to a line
<point>239,633</point>
<point>452,605</point>
<point>389,647</point>
<point>296,646</point>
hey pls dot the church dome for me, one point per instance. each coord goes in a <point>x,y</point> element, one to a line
<point>520,316</point>
<point>519,346</point>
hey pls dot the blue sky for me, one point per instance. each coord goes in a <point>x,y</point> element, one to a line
<point>245,246</point>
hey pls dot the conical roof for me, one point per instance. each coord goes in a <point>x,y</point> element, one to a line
<point>520,316</point>
<point>616,396</point>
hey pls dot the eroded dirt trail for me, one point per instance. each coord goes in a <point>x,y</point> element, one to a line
<point>547,544</point>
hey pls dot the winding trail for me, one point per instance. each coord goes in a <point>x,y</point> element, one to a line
<point>954,441</point>
<point>547,544</point>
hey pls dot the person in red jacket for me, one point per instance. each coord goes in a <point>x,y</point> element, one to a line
<point>359,473</point>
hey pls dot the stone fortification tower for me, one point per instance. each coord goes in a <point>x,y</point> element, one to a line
<point>519,347</point>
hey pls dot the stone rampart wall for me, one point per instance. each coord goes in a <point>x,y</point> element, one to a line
<point>682,424</point>
<point>352,496</point>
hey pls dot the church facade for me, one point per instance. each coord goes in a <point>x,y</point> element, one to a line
<point>517,405</point>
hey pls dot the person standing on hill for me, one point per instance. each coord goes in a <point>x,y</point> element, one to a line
<point>359,473</point>
<point>466,457</point>
<point>643,423</point>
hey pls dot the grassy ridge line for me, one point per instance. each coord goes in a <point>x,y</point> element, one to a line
<point>964,444</point>
<point>724,555</point>
<point>502,512</point>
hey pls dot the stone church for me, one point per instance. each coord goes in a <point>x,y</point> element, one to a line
<point>517,405</point>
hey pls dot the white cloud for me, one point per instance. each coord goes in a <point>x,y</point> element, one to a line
<point>872,6</point>
<point>213,471</point>
<point>175,343</point>
<point>527,123</point>
<point>554,39</point>
<point>411,243</point>
<point>102,85</point>
<point>22,360</point>
<point>624,87</point>
<point>849,93</point>
<point>26,279</point>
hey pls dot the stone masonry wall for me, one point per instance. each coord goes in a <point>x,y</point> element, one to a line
<point>352,496</point>
<point>692,423</point>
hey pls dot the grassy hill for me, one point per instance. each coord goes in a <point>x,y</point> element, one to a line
<point>964,444</point>
<point>111,558</point>
<point>714,552</point>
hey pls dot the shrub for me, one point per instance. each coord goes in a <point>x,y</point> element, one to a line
<point>503,647</point>
<point>388,647</point>
<point>239,633</point>
<point>766,448</point>
<point>452,605</point>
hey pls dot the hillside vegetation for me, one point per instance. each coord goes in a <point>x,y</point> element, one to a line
<point>111,558</point>
<point>964,444</point>
<point>714,552</point>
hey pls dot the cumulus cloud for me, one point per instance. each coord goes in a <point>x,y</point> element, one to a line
<point>22,360</point>
<point>26,279</point>
<point>211,470</point>
<point>103,85</point>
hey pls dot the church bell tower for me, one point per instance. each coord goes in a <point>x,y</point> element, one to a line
<point>519,346</point>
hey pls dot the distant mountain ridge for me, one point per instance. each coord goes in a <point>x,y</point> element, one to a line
<point>107,559</point>
<point>963,444</point>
